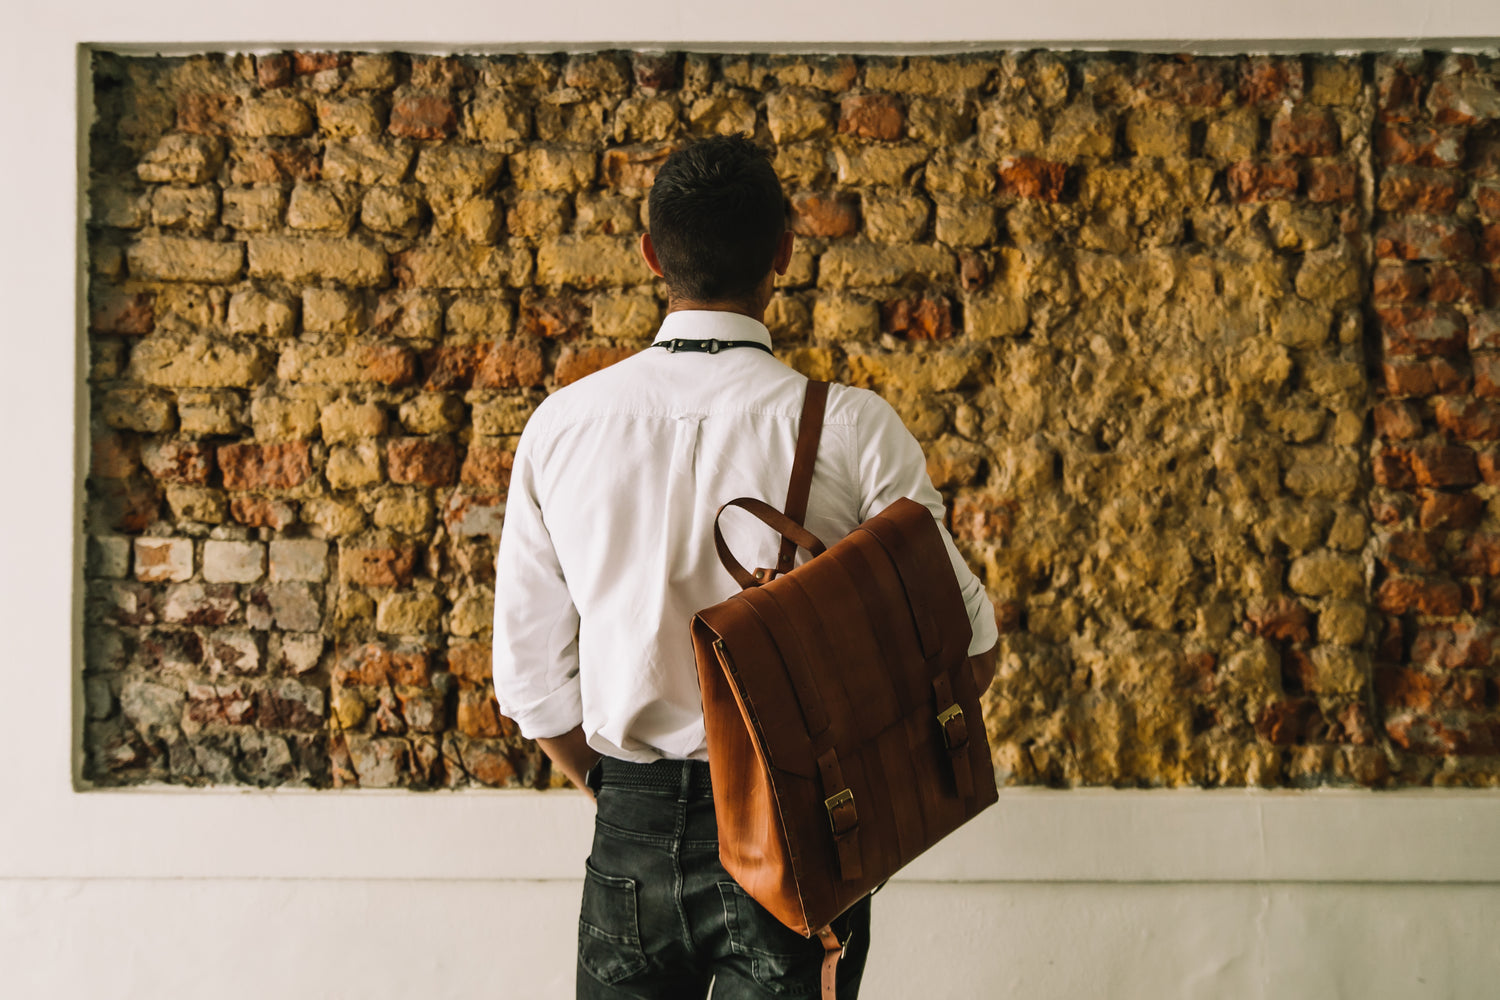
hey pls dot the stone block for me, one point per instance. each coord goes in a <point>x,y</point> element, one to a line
<point>255,312</point>
<point>420,115</point>
<point>345,420</point>
<point>331,310</point>
<point>325,206</point>
<point>209,412</point>
<point>432,413</point>
<point>195,208</point>
<point>409,613</point>
<point>307,260</point>
<point>552,168</point>
<point>454,265</point>
<point>406,512</point>
<point>855,264</point>
<point>590,262</point>
<point>281,418</point>
<point>878,166</point>
<point>197,362</point>
<point>625,314</point>
<point>505,415</point>
<point>349,117</point>
<point>180,258</point>
<point>301,653</point>
<point>334,364</point>
<point>163,560</point>
<point>275,116</point>
<point>353,466</point>
<point>233,562</point>
<point>498,118</point>
<point>367,162</point>
<point>182,159</point>
<point>253,209</point>
<point>295,607</point>
<point>472,169</point>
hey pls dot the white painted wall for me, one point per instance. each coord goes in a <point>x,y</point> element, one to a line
<point>168,894</point>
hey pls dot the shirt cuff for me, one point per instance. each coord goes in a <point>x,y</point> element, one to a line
<point>552,715</point>
<point>986,634</point>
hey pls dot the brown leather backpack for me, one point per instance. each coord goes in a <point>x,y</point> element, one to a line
<point>844,730</point>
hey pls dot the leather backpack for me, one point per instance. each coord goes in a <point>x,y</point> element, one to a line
<point>845,735</point>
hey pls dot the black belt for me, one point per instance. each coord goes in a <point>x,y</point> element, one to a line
<point>659,775</point>
<point>709,346</point>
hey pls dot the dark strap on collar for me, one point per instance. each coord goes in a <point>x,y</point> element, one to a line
<point>709,346</point>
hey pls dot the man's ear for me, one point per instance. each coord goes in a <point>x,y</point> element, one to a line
<point>648,253</point>
<point>783,258</point>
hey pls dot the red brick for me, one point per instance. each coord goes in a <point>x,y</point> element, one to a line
<point>577,362</point>
<point>1422,331</point>
<point>1397,687</point>
<point>276,165</point>
<point>308,63</point>
<point>1030,177</point>
<point>1489,244</point>
<point>634,167</point>
<point>1270,79</point>
<point>423,116</point>
<point>1454,646</point>
<point>128,505</point>
<point>509,365</point>
<point>275,710</point>
<point>1331,182</point>
<point>1468,419</point>
<point>1389,508</point>
<point>487,467</point>
<point>1396,420</point>
<point>470,662</point>
<point>258,512</point>
<point>1411,551</point>
<point>114,455</point>
<point>1425,378</point>
<point>1392,469</point>
<point>1284,618</point>
<point>1487,200</point>
<point>929,317</point>
<point>1443,465</point>
<point>180,461</point>
<point>273,70</point>
<point>872,116</point>
<point>555,317</point>
<point>1399,282</point>
<point>250,466</point>
<point>1449,104</point>
<point>1286,722</point>
<point>981,518</point>
<point>1489,466</point>
<point>1423,239</point>
<point>828,215</point>
<point>451,367</point>
<point>422,461</point>
<point>1427,735</point>
<point>1185,80</point>
<point>1414,189</point>
<point>1457,284</point>
<point>1252,181</point>
<point>373,664</point>
<point>654,70</point>
<point>1451,511</point>
<point>1407,595</point>
<point>378,566</point>
<point>208,703</point>
<point>129,314</point>
<point>1420,146</point>
<point>1304,133</point>
<point>1480,556</point>
<point>207,114</point>
<point>973,272</point>
<point>1486,375</point>
<point>479,716</point>
<point>1398,86</point>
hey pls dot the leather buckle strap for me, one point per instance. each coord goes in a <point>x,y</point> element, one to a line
<point>843,817</point>
<point>955,730</point>
<point>833,950</point>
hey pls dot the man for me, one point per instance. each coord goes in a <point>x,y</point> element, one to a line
<point>608,551</point>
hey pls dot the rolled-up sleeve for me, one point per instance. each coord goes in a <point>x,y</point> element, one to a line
<point>891,466</point>
<point>535,658</point>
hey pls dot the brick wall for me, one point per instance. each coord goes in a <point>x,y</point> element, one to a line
<point>1204,353</point>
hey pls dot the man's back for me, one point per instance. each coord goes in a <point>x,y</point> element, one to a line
<point>668,437</point>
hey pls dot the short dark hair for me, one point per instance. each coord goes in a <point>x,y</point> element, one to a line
<point>717,214</point>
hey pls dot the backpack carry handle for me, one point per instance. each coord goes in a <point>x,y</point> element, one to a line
<point>773,519</point>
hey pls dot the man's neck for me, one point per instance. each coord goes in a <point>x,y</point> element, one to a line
<point>743,308</point>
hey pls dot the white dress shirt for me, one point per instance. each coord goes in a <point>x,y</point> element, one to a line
<point>607,548</point>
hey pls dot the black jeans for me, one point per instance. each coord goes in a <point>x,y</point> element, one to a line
<point>661,918</point>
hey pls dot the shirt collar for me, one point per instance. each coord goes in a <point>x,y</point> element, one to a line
<point>709,324</point>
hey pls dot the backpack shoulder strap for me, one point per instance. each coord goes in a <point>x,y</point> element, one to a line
<point>809,431</point>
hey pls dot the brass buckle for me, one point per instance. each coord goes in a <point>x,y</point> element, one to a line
<point>839,798</point>
<point>947,715</point>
